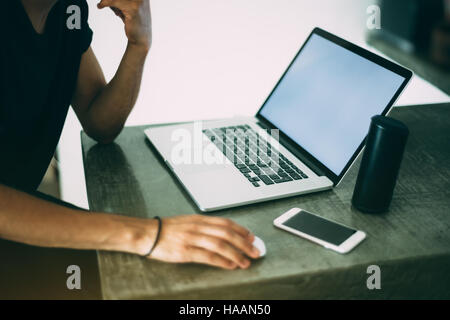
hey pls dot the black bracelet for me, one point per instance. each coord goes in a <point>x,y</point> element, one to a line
<point>157,236</point>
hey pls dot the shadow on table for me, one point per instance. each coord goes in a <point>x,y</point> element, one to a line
<point>109,187</point>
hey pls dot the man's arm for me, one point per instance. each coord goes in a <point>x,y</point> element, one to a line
<point>190,238</point>
<point>103,108</point>
<point>28,219</point>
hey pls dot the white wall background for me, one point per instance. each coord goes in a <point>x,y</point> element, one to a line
<point>215,58</point>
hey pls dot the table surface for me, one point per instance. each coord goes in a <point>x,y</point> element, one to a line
<point>410,243</point>
<point>419,64</point>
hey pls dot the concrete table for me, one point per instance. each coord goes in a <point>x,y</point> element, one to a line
<point>411,243</point>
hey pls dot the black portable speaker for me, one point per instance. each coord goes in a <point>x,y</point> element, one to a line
<point>380,165</point>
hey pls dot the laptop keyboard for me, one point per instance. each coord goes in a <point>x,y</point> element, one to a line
<point>253,156</point>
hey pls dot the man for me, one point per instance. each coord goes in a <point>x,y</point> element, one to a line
<point>46,66</point>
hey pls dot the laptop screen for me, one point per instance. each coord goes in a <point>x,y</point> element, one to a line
<point>325,100</point>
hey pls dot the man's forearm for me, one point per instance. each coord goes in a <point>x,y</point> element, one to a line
<point>111,107</point>
<point>27,219</point>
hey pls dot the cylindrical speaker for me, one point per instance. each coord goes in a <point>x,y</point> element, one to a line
<point>380,164</point>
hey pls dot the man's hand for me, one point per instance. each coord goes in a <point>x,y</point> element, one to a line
<point>136,16</point>
<point>208,240</point>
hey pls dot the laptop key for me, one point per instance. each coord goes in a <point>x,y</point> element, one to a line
<point>245,170</point>
<point>283,180</point>
<point>295,176</point>
<point>266,180</point>
<point>274,177</point>
<point>256,184</point>
<point>268,171</point>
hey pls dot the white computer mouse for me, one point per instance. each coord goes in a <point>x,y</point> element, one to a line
<point>259,244</point>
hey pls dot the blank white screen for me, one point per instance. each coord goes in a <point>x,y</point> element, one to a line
<point>326,99</point>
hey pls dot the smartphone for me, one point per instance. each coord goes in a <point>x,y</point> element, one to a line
<point>329,234</point>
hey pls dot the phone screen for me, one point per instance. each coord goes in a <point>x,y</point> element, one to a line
<point>319,228</point>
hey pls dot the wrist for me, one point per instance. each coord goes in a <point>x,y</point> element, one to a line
<point>139,235</point>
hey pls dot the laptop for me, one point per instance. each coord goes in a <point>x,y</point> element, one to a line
<point>303,139</point>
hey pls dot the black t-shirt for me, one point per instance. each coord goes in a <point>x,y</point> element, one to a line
<point>38,76</point>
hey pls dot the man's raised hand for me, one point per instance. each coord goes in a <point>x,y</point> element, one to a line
<point>136,16</point>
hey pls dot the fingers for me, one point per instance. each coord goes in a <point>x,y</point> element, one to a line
<point>109,3</point>
<point>200,255</point>
<point>121,4</point>
<point>220,247</point>
<point>224,222</point>
<point>118,13</point>
<point>105,3</point>
<point>231,236</point>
